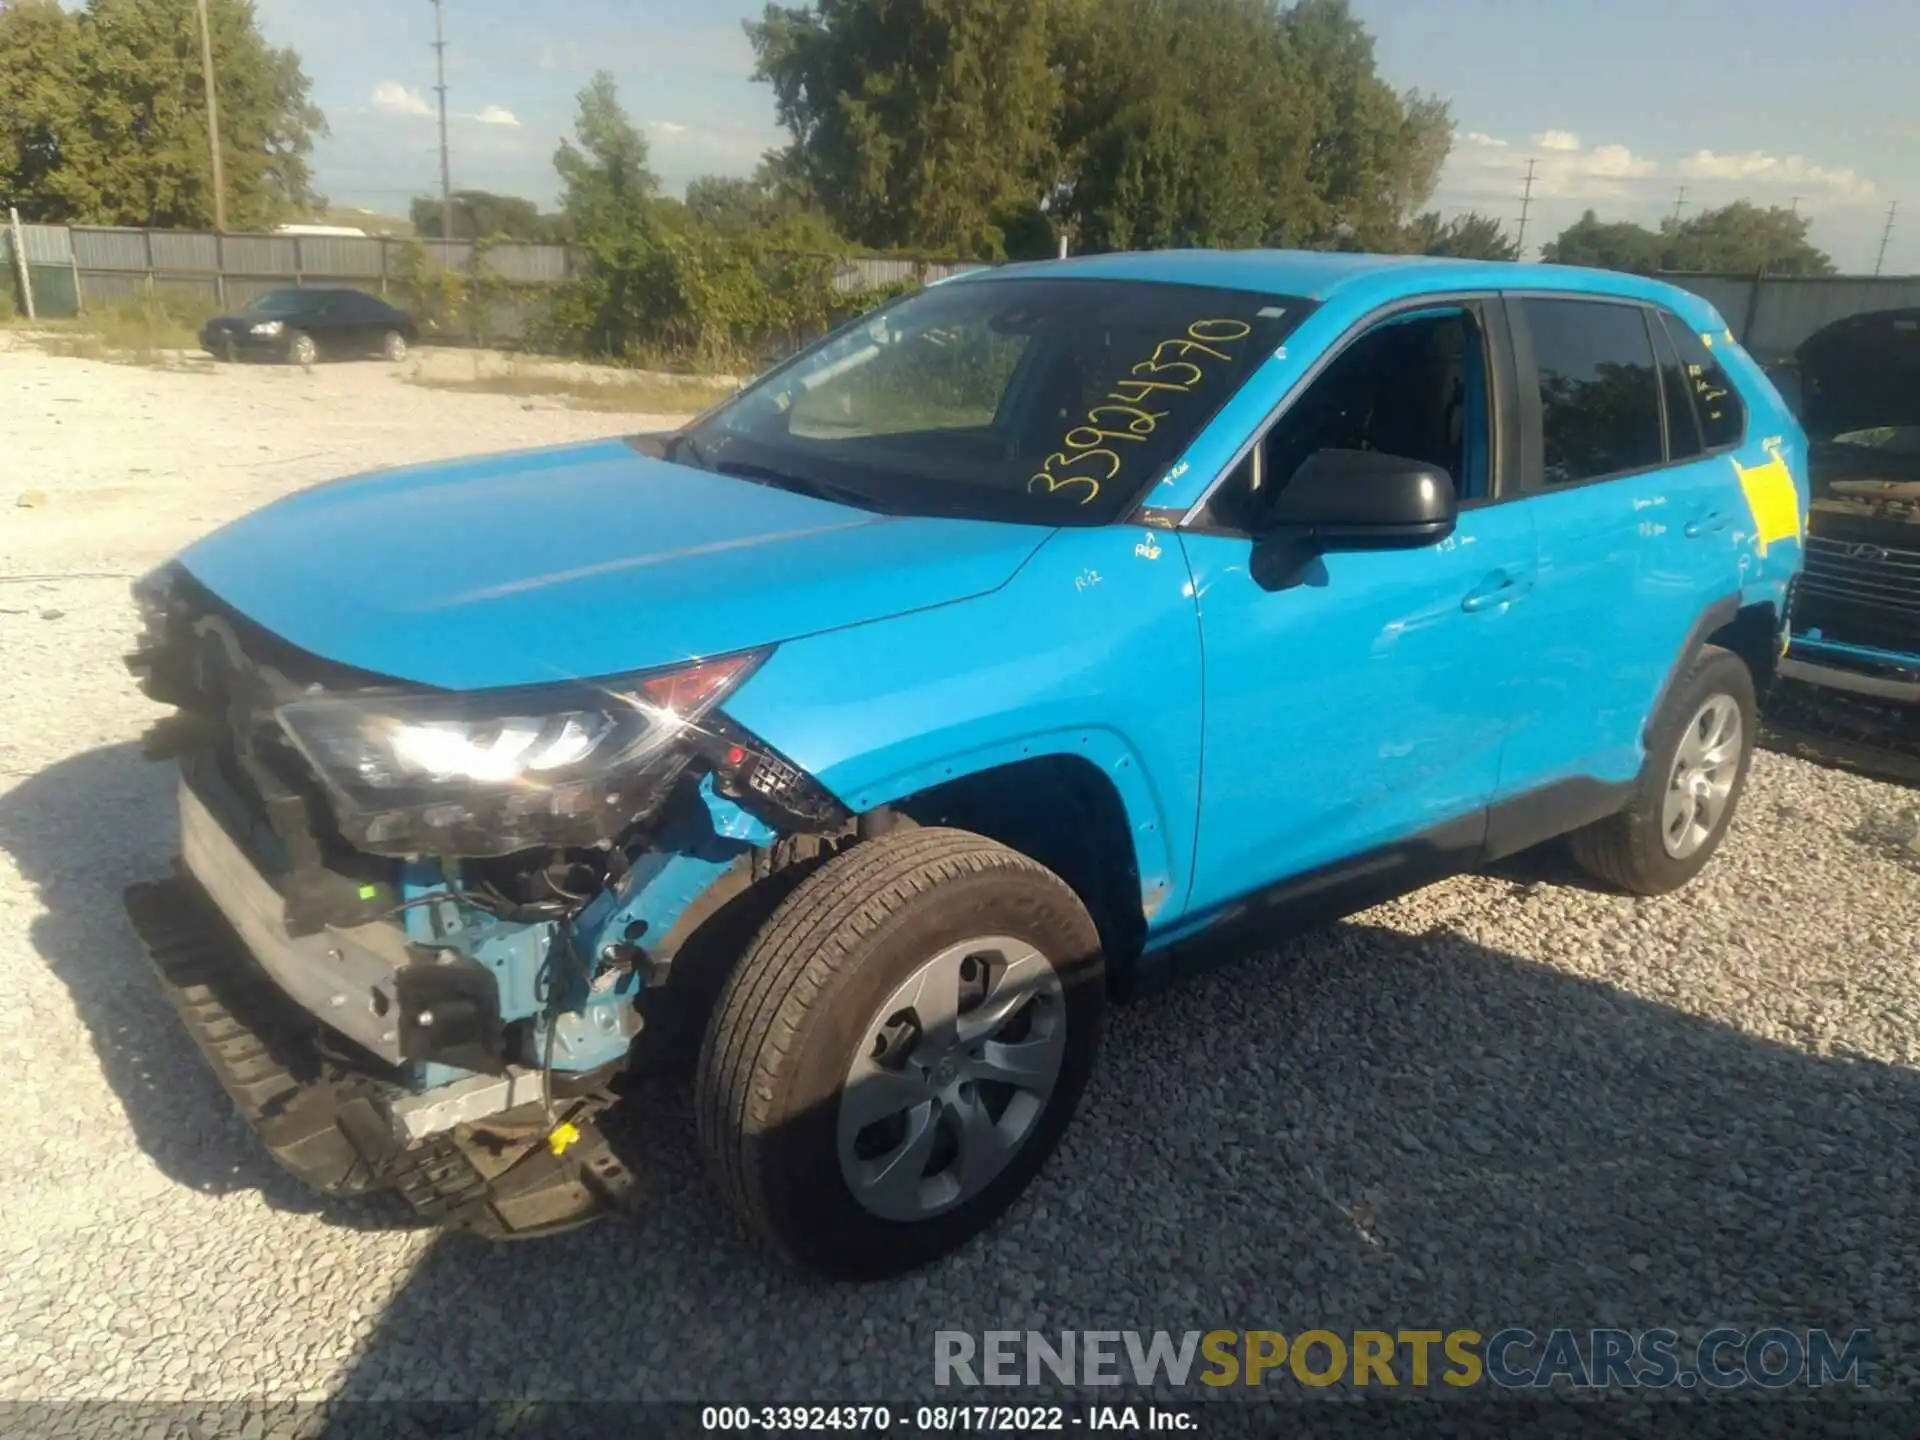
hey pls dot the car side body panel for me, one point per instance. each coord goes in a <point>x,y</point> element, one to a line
<point>1091,650</point>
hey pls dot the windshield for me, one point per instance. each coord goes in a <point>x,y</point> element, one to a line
<point>1048,401</point>
<point>280,302</point>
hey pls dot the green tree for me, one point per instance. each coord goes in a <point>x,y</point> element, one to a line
<point>104,115</point>
<point>1606,245</point>
<point>1184,124</point>
<point>1739,239</point>
<point>992,126</point>
<point>733,203</point>
<point>1743,239</point>
<point>915,124</point>
<point>1231,123</point>
<point>1469,236</point>
<point>482,215</point>
<point>1374,154</point>
<point>607,204</point>
<point>41,106</point>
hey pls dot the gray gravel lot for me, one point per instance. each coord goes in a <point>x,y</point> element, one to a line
<point>1508,1100</point>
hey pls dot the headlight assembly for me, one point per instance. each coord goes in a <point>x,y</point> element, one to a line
<point>268,327</point>
<point>491,772</point>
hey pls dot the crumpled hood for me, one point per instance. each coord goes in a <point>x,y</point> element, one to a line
<point>577,561</point>
<point>1861,373</point>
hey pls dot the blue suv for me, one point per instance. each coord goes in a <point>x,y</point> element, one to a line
<point>1028,641</point>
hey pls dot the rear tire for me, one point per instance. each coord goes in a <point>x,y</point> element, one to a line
<point>1698,753</point>
<point>393,347</point>
<point>842,993</point>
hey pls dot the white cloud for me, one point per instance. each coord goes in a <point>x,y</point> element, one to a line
<point>497,115</point>
<point>1617,162</point>
<point>1758,167</point>
<point>390,97</point>
<point>667,127</point>
<point>1485,141</point>
<point>1557,140</point>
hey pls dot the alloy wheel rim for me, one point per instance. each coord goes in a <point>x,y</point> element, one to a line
<point>951,1076</point>
<point>1700,783</point>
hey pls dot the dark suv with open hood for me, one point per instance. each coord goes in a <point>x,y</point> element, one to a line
<point>1856,608</point>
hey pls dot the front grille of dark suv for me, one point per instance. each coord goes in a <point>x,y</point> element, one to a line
<point>1859,593</point>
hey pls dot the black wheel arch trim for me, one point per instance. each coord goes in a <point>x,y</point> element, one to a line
<point>1717,616</point>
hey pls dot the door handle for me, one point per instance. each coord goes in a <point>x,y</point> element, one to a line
<point>1711,523</point>
<point>1502,587</point>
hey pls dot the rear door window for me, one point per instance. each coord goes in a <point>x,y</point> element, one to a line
<point>1723,419</point>
<point>1599,389</point>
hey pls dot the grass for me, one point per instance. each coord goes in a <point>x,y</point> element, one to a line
<point>130,334</point>
<point>643,394</point>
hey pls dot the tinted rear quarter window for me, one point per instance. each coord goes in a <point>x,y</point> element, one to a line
<point>1599,389</point>
<point>1683,426</point>
<point>1723,418</point>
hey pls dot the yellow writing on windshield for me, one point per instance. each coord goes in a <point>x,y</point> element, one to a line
<point>1093,451</point>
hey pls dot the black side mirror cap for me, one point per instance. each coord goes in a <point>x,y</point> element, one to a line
<point>1364,500</point>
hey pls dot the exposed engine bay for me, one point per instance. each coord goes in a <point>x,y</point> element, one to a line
<point>1852,691</point>
<point>480,895</point>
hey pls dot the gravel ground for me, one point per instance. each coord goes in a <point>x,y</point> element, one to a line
<point>1508,1100</point>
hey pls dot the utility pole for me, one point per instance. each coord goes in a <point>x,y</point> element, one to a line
<point>1885,236</point>
<point>1526,204</point>
<point>213,121</point>
<point>1679,204</point>
<point>446,172</point>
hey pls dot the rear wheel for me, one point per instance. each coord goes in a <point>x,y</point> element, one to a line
<point>898,1051</point>
<point>394,346</point>
<point>1684,801</point>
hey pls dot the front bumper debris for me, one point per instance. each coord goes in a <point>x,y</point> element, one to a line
<point>332,1122</point>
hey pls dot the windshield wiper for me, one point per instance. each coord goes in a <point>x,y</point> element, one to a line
<point>799,484</point>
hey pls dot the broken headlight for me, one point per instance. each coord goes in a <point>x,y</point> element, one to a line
<point>487,773</point>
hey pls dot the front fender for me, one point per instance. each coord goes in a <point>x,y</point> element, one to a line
<point>1092,650</point>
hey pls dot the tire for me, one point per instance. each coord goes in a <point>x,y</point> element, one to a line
<point>1633,850</point>
<point>301,350</point>
<point>393,347</point>
<point>802,1009</point>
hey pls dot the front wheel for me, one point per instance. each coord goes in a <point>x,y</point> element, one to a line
<point>301,349</point>
<point>899,1050</point>
<point>1698,752</point>
<point>393,346</point>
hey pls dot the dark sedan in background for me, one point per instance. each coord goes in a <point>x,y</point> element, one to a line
<point>306,325</point>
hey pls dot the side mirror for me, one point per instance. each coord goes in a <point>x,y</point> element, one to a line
<point>1363,500</point>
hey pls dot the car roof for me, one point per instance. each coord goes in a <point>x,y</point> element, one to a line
<point>1325,275</point>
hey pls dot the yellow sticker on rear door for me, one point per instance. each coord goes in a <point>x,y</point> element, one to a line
<point>1773,498</point>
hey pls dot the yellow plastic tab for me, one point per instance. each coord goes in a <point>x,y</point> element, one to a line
<point>563,1137</point>
<point>1773,499</point>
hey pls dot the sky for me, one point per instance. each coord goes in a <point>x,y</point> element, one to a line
<point>1619,105</point>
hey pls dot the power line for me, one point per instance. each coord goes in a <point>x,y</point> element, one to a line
<point>446,172</point>
<point>1526,204</point>
<point>1885,236</point>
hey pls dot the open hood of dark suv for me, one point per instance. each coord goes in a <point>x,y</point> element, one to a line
<point>1861,373</point>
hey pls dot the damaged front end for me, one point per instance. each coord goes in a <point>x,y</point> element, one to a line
<point>1852,673</point>
<point>420,934</point>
